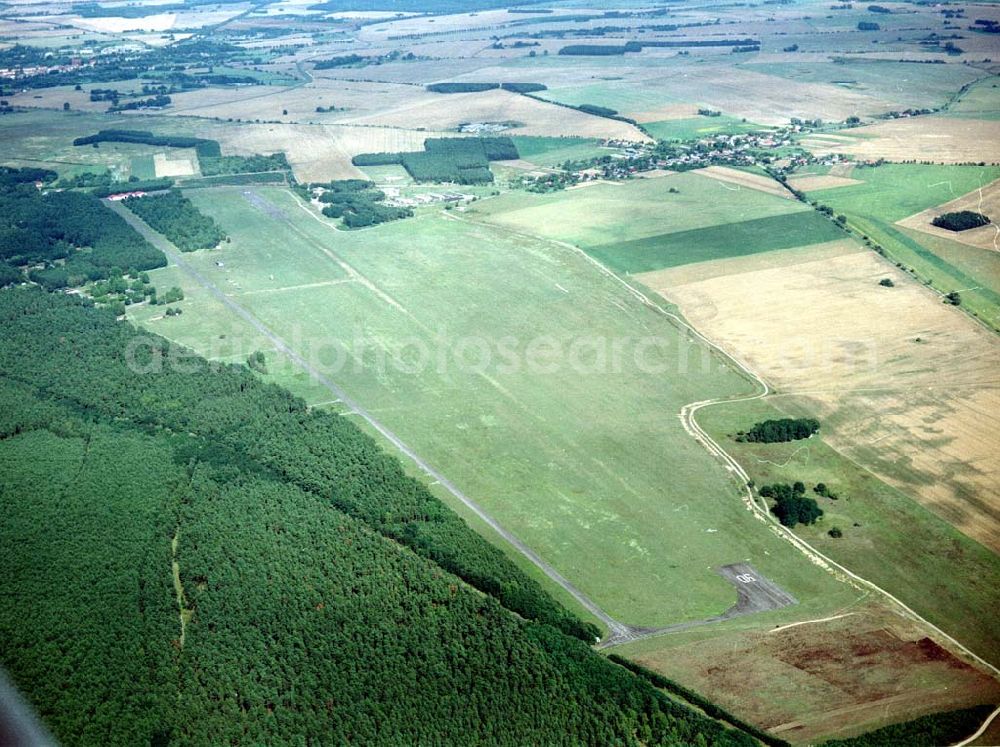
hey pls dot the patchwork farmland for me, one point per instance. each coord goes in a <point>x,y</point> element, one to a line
<point>505,374</point>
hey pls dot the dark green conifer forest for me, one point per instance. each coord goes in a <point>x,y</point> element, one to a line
<point>193,557</point>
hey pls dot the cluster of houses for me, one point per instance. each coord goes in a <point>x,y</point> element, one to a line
<point>395,198</point>
<point>630,159</point>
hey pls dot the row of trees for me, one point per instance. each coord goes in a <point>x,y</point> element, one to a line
<point>176,217</point>
<point>296,616</point>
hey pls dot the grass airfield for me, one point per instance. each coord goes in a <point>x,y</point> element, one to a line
<point>576,465</point>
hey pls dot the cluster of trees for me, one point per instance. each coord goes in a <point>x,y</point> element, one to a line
<point>598,111</point>
<point>598,50</point>
<point>225,165</point>
<point>868,26</point>
<point>176,217</point>
<point>962,220</point>
<point>792,506</point>
<point>46,231</point>
<point>342,61</point>
<point>319,452</point>
<point>450,159</point>
<point>358,203</point>
<point>153,102</point>
<point>777,431</point>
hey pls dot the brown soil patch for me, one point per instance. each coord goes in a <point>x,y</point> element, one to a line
<point>745,179</point>
<point>985,200</point>
<point>830,679</point>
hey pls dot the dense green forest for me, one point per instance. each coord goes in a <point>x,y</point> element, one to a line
<point>65,238</point>
<point>927,731</point>
<point>777,431</point>
<point>193,557</point>
<point>176,217</point>
<point>448,159</point>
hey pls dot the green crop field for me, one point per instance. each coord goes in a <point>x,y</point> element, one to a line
<point>626,211</point>
<point>981,101</point>
<point>552,151</point>
<point>718,242</point>
<point>565,459</point>
<point>692,128</point>
<point>143,167</point>
<point>896,191</point>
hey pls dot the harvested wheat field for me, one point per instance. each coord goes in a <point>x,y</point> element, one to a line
<point>448,111</point>
<point>319,152</point>
<point>932,138</point>
<point>810,182</point>
<point>985,201</point>
<point>867,361</point>
<point>746,179</point>
<point>166,165</point>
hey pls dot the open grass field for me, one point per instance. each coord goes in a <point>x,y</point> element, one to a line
<point>897,191</point>
<point>980,101</point>
<point>582,466</point>
<point>553,151</point>
<point>534,118</point>
<point>864,359</point>
<point>748,179</point>
<point>625,211</point>
<point>739,92</point>
<point>903,85</point>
